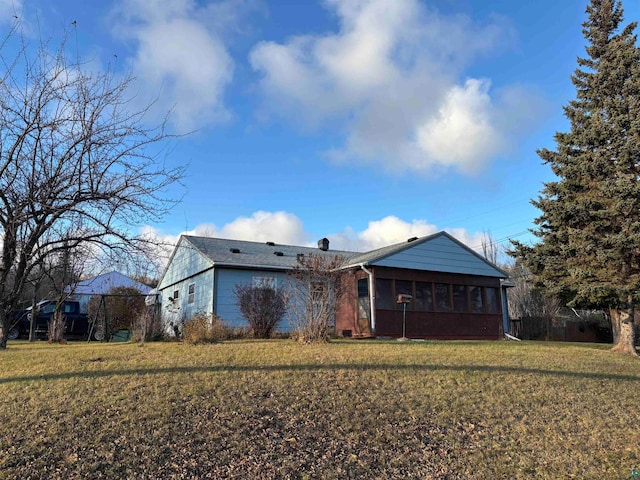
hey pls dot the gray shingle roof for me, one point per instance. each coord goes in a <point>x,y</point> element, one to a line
<point>380,253</point>
<point>255,254</point>
<point>262,255</point>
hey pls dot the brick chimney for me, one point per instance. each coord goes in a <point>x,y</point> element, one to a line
<point>323,244</point>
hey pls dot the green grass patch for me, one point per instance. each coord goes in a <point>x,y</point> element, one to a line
<point>347,409</point>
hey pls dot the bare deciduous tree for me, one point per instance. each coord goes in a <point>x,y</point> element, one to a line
<point>490,248</point>
<point>63,273</point>
<point>77,164</point>
<point>526,301</point>
<point>315,291</point>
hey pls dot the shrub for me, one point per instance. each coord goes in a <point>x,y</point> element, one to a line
<point>147,326</point>
<point>204,328</point>
<point>263,306</point>
<point>239,333</point>
<point>315,289</point>
<point>121,305</point>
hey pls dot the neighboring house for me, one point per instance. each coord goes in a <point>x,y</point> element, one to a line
<point>101,284</point>
<point>455,292</point>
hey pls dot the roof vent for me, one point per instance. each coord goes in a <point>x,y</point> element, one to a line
<point>278,254</point>
<point>234,250</point>
<point>271,244</point>
<point>323,244</point>
<point>412,239</point>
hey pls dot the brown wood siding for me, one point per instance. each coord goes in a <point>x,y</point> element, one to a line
<point>443,326</point>
<point>420,324</point>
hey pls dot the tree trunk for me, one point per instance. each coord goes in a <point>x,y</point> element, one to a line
<point>615,327</point>
<point>32,315</point>
<point>4,330</point>
<point>622,322</point>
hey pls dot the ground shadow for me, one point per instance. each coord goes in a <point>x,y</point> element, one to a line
<point>425,368</point>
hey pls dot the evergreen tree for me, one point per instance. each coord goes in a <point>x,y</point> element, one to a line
<point>588,253</point>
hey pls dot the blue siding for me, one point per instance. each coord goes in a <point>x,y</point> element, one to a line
<point>181,309</point>
<point>186,262</point>
<point>440,254</point>
<point>225,301</point>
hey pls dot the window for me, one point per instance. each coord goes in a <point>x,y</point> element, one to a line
<point>443,298</point>
<point>363,287</point>
<point>319,289</point>
<point>363,298</point>
<point>493,300</point>
<point>424,297</point>
<point>406,288</point>
<point>477,305</point>
<point>264,281</point>
<point>49,308</point>
<point>192,293</point>
<point>384,295</point>
<point>175,295</point>
<point>460,302</point>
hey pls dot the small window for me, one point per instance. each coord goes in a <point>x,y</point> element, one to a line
<point>264,281</point>
<point>68,307</point>
<point>363,287</point>
<point>424,297</point>
<point>192,293</point>
<point>460,302</point>
<point>364,308</point>
<point>493,300</point>
<point>477,305</point>
<point>319,289</point>
<point>443,297</point>
<point>384,295</point>
<point>49,308</point>
<point>175,294</point>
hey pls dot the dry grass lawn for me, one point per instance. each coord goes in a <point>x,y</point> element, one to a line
<point>348,409</point>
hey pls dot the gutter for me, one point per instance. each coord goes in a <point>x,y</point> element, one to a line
<point>371,298</point>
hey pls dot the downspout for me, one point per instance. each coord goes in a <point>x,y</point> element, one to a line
<point>506,321</point>
<point>372,309</point>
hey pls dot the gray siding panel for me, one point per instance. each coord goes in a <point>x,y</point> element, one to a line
<point>440,255</point>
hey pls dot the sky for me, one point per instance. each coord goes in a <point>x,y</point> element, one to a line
<point>364,121</point>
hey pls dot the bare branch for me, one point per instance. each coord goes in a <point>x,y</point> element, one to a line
<point>78,166</point>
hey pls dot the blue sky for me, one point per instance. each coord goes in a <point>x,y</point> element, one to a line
<point>366,121</point>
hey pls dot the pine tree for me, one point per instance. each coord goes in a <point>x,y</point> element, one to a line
<point>588,253</point>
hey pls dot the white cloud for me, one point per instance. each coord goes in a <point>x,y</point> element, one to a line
<point>463,132</point>
<point>391,229</point>
<point>389,78</point>
<point>287,228</point>
<point>279,227</point>
<point>180,58</point>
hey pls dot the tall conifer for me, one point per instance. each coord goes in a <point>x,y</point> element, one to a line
<point>588,253</point>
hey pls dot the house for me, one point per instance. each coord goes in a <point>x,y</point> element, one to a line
<point>453,291</point>
<point>84,290</point>
<point>202,273</point>
<point>429,287</point>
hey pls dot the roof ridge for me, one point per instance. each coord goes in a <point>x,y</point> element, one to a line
<point>267,243</point>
